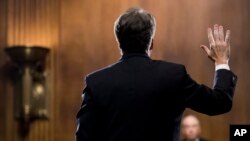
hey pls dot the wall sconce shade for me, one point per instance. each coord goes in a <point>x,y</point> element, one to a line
<point>23,55</point>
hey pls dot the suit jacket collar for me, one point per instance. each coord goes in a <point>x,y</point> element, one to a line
<point>131,55</point>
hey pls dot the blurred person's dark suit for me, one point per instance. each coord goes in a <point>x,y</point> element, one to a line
<point>140,99</point>
<point>201,139</point>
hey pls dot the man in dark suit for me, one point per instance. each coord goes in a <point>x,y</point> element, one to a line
<point>141,99</point>
<point>191,129</point>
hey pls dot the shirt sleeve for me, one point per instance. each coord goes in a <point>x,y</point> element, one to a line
<point>222,66</point>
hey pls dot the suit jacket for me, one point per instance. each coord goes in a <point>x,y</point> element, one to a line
<point>200,139</point>
<point>140,99</point>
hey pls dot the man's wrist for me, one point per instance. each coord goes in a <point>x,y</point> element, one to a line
<point>221,62</point>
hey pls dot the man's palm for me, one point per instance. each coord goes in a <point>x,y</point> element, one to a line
<point>219,50</point>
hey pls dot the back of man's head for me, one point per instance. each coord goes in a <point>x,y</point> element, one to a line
<point>134,30</point>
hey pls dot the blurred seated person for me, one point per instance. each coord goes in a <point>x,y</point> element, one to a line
<point>191,129</point>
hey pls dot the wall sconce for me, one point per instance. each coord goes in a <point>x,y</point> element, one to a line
<point>30,84</point>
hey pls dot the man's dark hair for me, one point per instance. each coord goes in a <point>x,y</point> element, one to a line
<point>134,30</point>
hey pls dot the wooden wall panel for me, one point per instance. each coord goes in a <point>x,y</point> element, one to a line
<point>2,70</point>
<point>83,41</point>
<point>32,22</point>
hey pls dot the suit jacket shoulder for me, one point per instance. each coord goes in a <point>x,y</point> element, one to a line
<point>159,65</point>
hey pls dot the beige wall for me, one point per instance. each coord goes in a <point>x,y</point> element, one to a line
<point>83,42</point>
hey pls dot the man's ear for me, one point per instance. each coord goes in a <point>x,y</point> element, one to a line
<point>152,45</point>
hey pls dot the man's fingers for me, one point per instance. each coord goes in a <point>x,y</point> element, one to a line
<point>210,36</point>
<point>221,33</point>
<point>227,38</point>
<point>216,32</point>
<point>206,49</point>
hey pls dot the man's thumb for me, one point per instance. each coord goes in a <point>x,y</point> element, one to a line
<point>206,49</point>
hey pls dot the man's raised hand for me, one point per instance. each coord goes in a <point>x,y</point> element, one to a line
<point>219,50</point>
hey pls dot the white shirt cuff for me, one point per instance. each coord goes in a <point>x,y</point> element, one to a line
<point>222,66</point>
